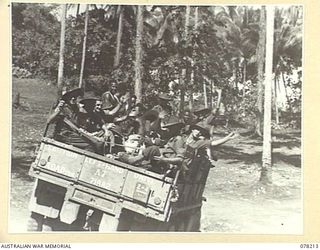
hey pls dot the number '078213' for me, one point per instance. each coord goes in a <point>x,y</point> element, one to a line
<point>309,246</point>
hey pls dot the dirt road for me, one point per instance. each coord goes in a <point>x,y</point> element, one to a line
<point>236,201</point>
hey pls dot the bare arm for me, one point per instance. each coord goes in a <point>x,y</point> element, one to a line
<point>169,160</point>
<point>130,159</point>
<point>223,140</point>
<point>56,112</point>
<point>136,159</point>
<point>114,110</point>
<point>120,119</point>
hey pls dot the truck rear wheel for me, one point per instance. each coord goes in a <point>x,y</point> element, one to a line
<point>46,228</point>
<point>194,221</point>
<point>35,222</point>
<point>180,227</point>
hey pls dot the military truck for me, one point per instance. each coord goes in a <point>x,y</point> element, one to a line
<point>77,190</point>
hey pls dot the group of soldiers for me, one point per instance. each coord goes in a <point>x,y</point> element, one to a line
<point>116,126</point>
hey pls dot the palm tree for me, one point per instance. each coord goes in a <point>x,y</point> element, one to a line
<point>119,36</point>
<point>288,43</point>
<point>62,45</point>
<point>183,76</point>
<point>265,176</point>
<point>81,85</point>
<point>138,59</point>
<point>196,19</point>
<point>260,54</point>
<point>237,27</point>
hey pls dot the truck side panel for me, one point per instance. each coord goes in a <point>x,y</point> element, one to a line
<point>98,182</point>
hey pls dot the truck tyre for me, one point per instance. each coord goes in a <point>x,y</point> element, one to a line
<point>35,222</point>
<point>181,226</point>
<point>171,228</point>
<point>46,228</point>
<point>173,225</point>
<point>194,221</point>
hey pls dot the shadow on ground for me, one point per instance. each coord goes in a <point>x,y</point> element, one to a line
<point>252,154</point>
<point>20,167</point>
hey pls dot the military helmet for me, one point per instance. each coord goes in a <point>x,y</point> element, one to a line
<point>72,93</point>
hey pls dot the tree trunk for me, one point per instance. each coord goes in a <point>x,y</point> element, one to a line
<point>260,68</point>
<point>267,147</point>
<point>119,35</point>
<point>162,30</point>
<point>205,95</point>
<point>244,79</point>
<point>196,16</point>
<point>211,94</point>
<point>183,80</point>
<point>182,92</point>
<point>61,52</point>
<point>219,91</point>
<point>138,47</point>
<point>235,76</point>
<point>186,28</point>
<point>276,98</point>
<point>84,46</point>
<point>78,9</point>
<point>286,92</point>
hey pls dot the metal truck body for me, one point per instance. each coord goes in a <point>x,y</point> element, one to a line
<point>79,190</point>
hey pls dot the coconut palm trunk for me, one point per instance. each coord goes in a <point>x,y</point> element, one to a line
<point>205,95</point>
<point>276,83</point>
<point>266,170</point>
<point>191,102</point>
<point>285,91</point>
<point>183,80</point>
<point>119,36</point>
<point>78,9</point>
<point>138,48</point>
<point>62,45</point>
<point>84,46</point>
<point>244,77</point>
<point>260,68</point>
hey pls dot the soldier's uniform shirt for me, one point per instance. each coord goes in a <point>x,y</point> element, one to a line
<point>69,112</point>
<point>164,111</point>
<point>188,148</point>
<point>148,154</point>
<point>64,133</point>
<point>193,153</point>
<point>131,126</point>
<point>95,121</point>
<point>168,118</point>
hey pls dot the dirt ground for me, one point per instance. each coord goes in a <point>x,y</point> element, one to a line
<point>236,201</point>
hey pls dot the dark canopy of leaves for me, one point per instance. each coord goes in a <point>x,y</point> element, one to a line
<point>222,45</point>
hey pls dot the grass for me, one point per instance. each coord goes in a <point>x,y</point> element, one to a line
<point>28,120</point>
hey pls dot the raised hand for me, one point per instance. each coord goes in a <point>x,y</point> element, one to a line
<point>233,135</point>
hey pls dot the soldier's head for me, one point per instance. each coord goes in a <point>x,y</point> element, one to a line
<point>199,131</point>
<point>137,111</point>
<point>98,105</point>
<point>187,116</point>
<point>88,104</point>
<point>71,96</point>
<point>113,87</point>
